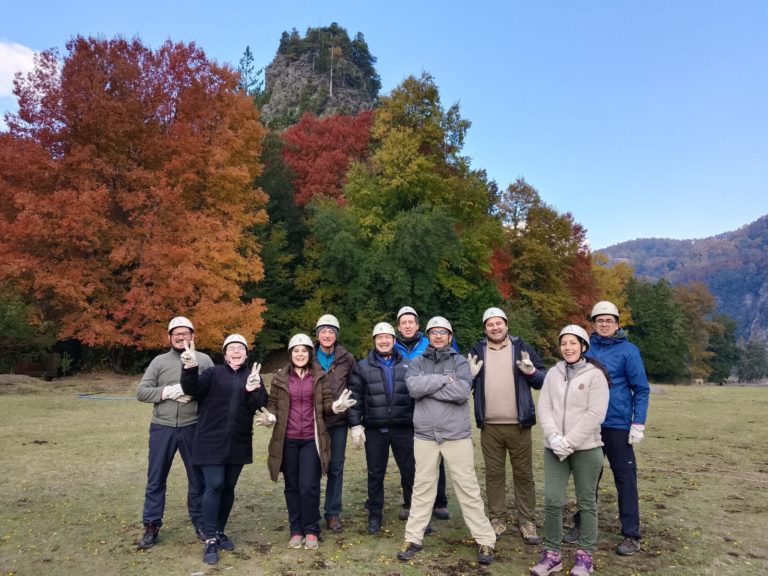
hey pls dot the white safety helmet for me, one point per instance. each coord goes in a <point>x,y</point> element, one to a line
<point>439,322</point>
<point>406,310</point>
<point>327,320</point>
<point>383,328</point>
<point>180,322</point>
<point>577,331</point>
<point>494,313</point>
<point>300,340</point>
<point>604,307</point>
<point>231,339</point>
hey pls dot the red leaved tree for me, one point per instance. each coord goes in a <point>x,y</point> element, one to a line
<point>127,197</point>
<point>320,150</point>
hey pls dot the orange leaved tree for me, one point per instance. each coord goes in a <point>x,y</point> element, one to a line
<point>126,181</point>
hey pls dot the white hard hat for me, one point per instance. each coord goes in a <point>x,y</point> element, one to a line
<point>406,310</point>
<point>494,313</point>
<point>383,328</point>
<point>604,307</point>
<point>439,322</point>
<point>577,331</point>
<point>328,320</point>
<point>300,340</point>
<point>231,339</point>
<point>180,322</point>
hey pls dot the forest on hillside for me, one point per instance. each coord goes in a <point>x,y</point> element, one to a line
<point>138,184</point>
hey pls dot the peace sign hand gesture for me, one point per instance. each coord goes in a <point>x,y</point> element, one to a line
<point>188,357</point>
<point>344,402</point>
<point>254,379</point>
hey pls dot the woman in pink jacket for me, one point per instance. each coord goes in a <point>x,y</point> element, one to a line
<point>572,405</point>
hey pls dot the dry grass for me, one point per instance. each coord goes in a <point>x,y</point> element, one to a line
<point>74,472</point>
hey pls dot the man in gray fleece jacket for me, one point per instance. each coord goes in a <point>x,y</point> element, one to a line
<point>172,429</point>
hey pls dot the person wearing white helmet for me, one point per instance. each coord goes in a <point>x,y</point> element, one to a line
<point>572,405</point>
<point>300,402</point>
<point>505,369</point>
<point>172,430</point>
<point>383,419</point>
<point>411,342</point>
<point>439,381</point>
<point>228,395</point>
<point>624,425</point>
<point>338,364</point>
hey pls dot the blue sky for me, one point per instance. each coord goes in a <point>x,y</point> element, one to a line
<point>641,118</point>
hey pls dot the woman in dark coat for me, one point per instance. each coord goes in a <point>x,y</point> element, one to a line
<point>228,396</point>
<point>300,400</point>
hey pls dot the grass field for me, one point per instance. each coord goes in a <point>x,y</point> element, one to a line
<point>73,474</point>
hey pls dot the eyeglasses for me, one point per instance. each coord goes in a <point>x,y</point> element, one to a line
<point>181,334</point>
<point>439,332</point>
<point>605,321</point>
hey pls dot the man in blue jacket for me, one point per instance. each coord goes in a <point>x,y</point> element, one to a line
<point>624,425</point>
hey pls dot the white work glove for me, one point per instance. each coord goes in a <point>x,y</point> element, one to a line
<point>560,447</point>
<point>636,433</point>
<point>188,357</point>
<point>358,436</point>
<point>172,392</point>
<point>525,365</point>
<point>344,402</point>
<point>254,380</point>
<point>474,365</point>
<point>265,418</point>
<point>184,399</point>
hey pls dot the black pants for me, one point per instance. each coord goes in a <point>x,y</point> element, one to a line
<point>377,445</point>
<point>302,472</point>
<point>621,457</point>
<point>219,496</point>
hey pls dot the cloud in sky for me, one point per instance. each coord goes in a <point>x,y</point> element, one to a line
<point>13,58</point>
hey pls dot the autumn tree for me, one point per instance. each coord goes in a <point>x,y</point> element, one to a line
<point>698,305</point>
<point>612,282</point>
<point>134,193</point>
<point>722,345</point>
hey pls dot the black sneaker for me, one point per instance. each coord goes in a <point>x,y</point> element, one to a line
<point>211,551</point>
<point>374,525</point>
<point>223,542</point>
<point>428,529</point>
<point>408,550</point>
<point>628,546</point>
<point>404,513</point>
<point>441,513</point>
<point>150,538</point>
<point>485,554</point>
<point>200,533</point>
<point>572,536</point>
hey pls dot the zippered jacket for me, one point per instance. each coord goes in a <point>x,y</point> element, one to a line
<point>376,407</point>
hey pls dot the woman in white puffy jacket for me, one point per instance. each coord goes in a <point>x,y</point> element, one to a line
<point>572,405</point>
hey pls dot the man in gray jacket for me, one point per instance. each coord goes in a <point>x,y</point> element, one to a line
<point>439,381</point>
<point>172,429</point>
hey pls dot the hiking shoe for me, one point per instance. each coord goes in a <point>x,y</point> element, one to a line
<point>223,542</point>
<point>296,541</point>
<point>211,551</point>
<point>311,542</point>
<point>528,532</point>
<point>550,562</point>
<point>583,564</point>
<point>334,524</point>
<point>428,529</point>
<point>485,554</point>
<point>408,550</point>
<point>404,513</point>
<point>572,536</point>
<point>150,537</point>
<point>200,533</point>
<point>374,525</point>
<point>628,546</point>
<point>441,513</point>
<point>499,526</point>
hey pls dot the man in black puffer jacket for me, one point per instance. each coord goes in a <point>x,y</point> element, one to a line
<point>383,417</point>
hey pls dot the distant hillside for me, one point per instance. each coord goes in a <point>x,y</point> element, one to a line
<point>734,265</point>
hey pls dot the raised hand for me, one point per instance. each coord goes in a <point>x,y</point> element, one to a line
<point>188,357</point>
<point>474,365</point>
<point>525,365</point>
<point>254,379</point>
<point>344,402</point>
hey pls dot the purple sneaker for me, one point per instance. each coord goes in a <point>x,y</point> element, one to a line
<point>550,562</point>
<point>582,565</point>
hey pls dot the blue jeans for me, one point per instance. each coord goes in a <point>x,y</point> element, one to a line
<point>219,496</point>
<point>164,442</point>
<point>335,482</point>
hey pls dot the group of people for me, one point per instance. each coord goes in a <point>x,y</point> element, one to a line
<point>409,394</point>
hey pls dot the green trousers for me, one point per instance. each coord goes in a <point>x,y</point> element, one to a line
<point>585,465</point>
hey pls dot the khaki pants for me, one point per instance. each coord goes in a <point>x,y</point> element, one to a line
<point>460,464</point>
<point>497,440</point>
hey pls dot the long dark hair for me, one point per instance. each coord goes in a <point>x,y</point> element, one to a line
<point>599,366</point>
